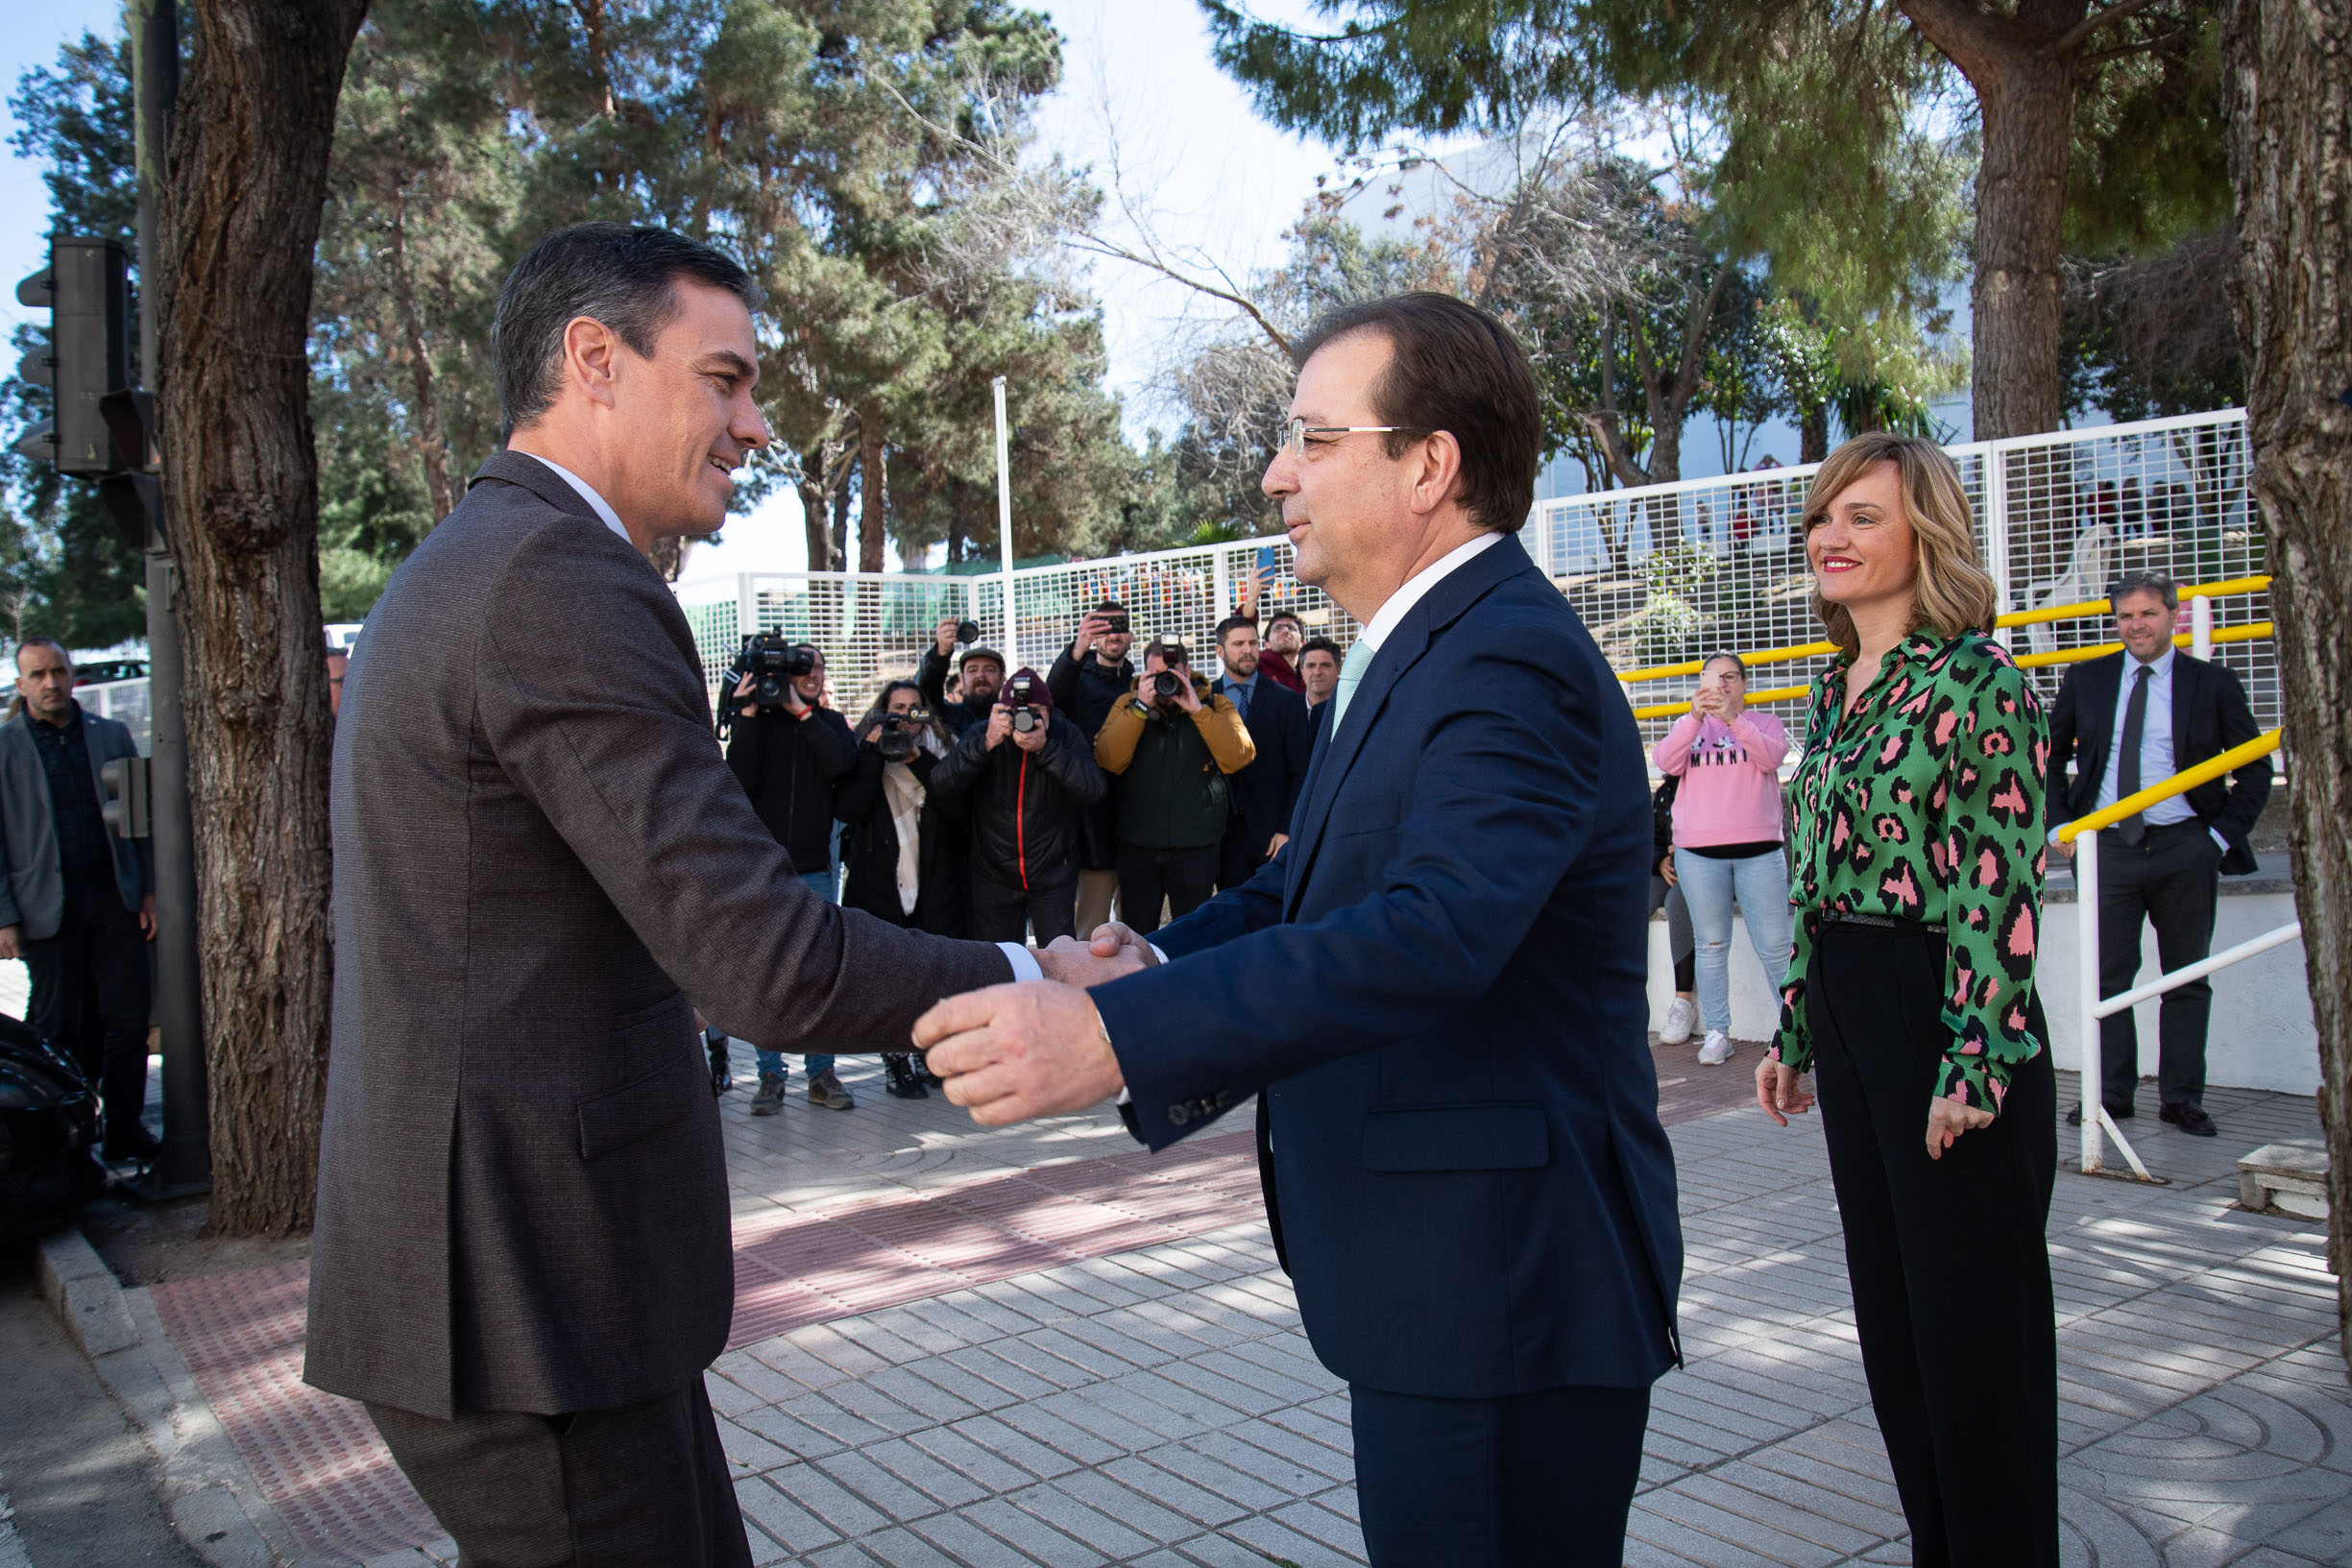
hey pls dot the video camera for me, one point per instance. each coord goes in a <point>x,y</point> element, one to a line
<point>1019,693</point>
<point>900,734</point>
<point>770,663</point>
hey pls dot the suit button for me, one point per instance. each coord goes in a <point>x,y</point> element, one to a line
<point>1177,1116</point>
<point>1224,1099</point>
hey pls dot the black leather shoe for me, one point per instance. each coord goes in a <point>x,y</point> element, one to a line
<point>2189,1118</point>
<point>137,1144</point>
<point>2114,1113</point>
<point>899,1080</point>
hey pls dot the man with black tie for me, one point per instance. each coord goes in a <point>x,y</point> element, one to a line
<point>1436,989</point>
<point>1264,792</point>
<point>2163,865</point>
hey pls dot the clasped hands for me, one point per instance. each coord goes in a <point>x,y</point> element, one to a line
<point>1782,1094</point>
<point>1012,1052</point>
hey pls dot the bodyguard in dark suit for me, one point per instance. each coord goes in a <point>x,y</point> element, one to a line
<point>543,866</point>
<point>1266,792</point>
<point>2163,866</point>
<point>77,902</point>
<point>1436,989</point>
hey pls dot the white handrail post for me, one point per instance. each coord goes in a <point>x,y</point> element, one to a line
<point>1220,583</point>
<point>2086,953</point>
<point>1996,521</point>
<point>746,608</point>
<point>1004,519</point>
<point>2200,626</point>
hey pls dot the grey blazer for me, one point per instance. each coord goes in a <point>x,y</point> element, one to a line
<point>540,856</point>
<point>33,892</point>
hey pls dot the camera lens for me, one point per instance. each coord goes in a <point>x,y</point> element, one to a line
<point>967,630</point>
<point>1167,684</point>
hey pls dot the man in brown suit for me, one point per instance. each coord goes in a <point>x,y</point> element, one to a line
<point>543,866</point>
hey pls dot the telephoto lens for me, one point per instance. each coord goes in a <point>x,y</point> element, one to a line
<point>967,630</point>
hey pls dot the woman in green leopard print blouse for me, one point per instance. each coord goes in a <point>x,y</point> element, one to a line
<point>1916,866</point>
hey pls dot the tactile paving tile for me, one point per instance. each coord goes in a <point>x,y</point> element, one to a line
<point>804,1268</point>
<point>316,1458</point>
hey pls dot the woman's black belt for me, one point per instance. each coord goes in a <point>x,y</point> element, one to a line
<point>1885,922</point>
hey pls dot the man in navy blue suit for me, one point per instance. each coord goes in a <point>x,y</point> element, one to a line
<point>1436,987</point>
<point>1266,793</point>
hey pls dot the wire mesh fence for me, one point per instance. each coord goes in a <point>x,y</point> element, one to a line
<point>1661,576</point>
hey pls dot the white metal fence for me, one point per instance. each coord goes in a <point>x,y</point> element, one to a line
<point>1661,574</point>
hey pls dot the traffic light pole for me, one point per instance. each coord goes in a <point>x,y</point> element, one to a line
<point>186,1165</point>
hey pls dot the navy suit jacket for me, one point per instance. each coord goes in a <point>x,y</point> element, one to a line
<point>1437,990</point>
<point>2210,715</point>
<point>1266,792</point>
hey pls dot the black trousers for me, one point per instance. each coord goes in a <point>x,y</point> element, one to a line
<point>1182,878</point>
<point>2171,880</point>
<point>89,995</point>
<point>1951,1271</point>
<point>1006,912</point>
<point>1513,1482</point>
<point>644,1485</point>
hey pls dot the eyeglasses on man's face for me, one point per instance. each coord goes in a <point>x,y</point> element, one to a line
<point>1294,434</point>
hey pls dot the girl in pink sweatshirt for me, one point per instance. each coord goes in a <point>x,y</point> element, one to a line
<point>1727,837</point>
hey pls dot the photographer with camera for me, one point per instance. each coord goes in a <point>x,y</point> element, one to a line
<point>903,849</point>
<point>1087,680</point>
<point>983,672</point>
<point>792,754</point>
<point>1027,777</point>
<point>1170,744</point>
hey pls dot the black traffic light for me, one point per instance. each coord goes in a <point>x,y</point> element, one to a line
<point>87,289</point>
<point>134,499</point>
<point>126,778</point>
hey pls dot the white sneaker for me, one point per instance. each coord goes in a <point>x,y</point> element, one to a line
<point>1682,1017</point>
<point>1717,1051</point>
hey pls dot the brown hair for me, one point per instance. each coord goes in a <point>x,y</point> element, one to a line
<point>1952,591</point>
<point>1452,367</point>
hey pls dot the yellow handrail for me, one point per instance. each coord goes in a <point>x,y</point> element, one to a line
<point>2251,632</point>
<point>2032,661</point>
<point>2016,617</point>
<point>2181,783</point>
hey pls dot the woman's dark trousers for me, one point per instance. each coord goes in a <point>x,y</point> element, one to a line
<point>1948,1258</point>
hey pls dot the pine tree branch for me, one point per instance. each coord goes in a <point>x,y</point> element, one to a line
<point>2092,23</point>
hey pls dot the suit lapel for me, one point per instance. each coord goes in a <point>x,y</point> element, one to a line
<point>2186,672</point>
<point>1335,754</point>
<point>2103,683</point>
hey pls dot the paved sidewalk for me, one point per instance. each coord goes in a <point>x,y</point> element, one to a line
<point>1150,1399</point>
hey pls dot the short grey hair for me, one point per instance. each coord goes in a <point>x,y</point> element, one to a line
<point>2144,582</point>
<point>622,274</point>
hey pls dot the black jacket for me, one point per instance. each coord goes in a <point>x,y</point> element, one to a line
<point>1025,807</point>
<point>1087,692</point>
<point>790,768</point>
<point>1266,791</point>
<point>869,850</point>
<point>931,675</point>
<point>2210,715</point>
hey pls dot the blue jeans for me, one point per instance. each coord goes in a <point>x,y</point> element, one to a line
<point>826,886</point>
<point>1759,883</point>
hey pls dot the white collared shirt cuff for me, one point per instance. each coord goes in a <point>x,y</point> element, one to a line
<point>2218,839</point>
<point>1025,965</point>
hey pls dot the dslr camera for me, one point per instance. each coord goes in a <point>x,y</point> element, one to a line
<point>1169,682</point>
<point>1019,693</point>
<point>900,734</point>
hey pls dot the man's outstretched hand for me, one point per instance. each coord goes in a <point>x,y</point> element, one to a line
<point>1012,1052</point>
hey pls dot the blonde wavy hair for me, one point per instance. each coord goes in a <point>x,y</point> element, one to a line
<point>1951,590</point>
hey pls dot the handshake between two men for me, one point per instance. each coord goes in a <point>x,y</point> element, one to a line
<point>1029,1049</point>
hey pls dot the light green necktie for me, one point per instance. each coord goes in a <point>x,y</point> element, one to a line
<point>1351,671</point>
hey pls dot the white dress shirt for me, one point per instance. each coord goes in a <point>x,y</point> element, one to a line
<point>602,508</point>
<point>1024,963</point>
<point>1418,586</point>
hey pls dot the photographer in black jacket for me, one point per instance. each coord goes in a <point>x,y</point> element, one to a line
<point>790,759</point>
<point>902,846</point>
<point>1087,680</point>
<point>1029,776</point>
<point>983,670</point>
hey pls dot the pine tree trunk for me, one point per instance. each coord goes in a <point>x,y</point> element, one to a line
<point>432,446</point>
<point>2025,103</point>
<point>1813,434</point>
<point>870,492</point>
<point>240,220</point>
<point>814,518</point>
<point>2288,80</point>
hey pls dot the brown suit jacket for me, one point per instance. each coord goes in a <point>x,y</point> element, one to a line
<point>540,856</point>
